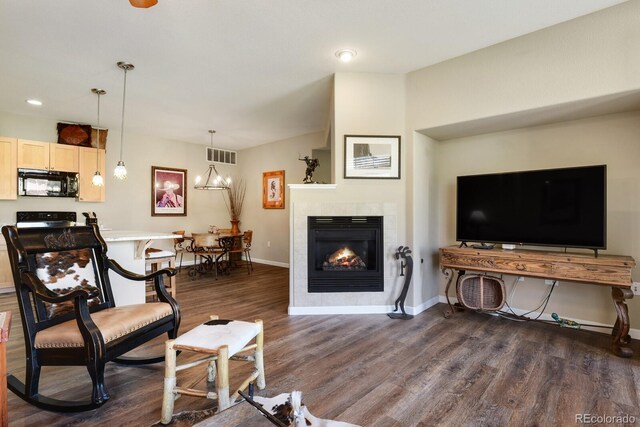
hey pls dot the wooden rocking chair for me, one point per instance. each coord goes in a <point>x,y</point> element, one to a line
<point>68,311</point>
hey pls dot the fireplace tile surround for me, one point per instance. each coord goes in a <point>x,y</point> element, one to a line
<point>303,302</point>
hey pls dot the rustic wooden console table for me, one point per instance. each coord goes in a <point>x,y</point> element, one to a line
<point>604,270</point>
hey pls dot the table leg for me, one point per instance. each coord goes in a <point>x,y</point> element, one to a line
<point>620,333</point>
<point>449,275</point>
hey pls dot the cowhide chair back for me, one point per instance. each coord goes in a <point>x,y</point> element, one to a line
<point>63,272</point>
<point>65,262</point>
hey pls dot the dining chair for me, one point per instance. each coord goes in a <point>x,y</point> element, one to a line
<point>156,259</point>
<point>237,244</point>
<point>179,246</point>
<point>205,247</point>
<point>246,242</point>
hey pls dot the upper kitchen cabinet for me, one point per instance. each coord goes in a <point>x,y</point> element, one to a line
<point>63,158</point>
<point>88,163</point>
<point>8,168</point>
<point>33,154</point>
<point>46,156</point>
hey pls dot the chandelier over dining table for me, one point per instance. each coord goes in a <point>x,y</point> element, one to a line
<point>213,180</point>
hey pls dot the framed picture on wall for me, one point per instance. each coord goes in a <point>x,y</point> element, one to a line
<point>168,191</point>
<point>371,157</point>
<point>273,190</point>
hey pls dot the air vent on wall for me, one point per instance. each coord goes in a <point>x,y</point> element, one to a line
<point>218,155</point>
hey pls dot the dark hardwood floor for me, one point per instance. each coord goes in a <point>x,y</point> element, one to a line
<point>472,369</point>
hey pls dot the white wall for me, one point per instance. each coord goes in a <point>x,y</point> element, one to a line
<point>422,217</point>
<point>272,225</point>
<point>363,104</point>
<point>373,104</point>
<point>587,57</point>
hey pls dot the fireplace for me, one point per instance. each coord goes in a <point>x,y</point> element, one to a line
<point>345,254</point>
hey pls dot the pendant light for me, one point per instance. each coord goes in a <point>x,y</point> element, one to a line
<point>213,181</point>
<point>97,179</point>
<point>143,3</point>
<point>120,171</point>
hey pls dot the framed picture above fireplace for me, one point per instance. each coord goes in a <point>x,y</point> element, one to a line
<point>371,157</point>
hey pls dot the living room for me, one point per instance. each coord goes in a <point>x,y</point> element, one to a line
<point>563,96</point>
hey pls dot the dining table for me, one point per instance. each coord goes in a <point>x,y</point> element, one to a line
<point>218,255</point>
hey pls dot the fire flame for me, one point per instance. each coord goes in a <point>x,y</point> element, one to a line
<point>344,258</point>
<point>346,253</point>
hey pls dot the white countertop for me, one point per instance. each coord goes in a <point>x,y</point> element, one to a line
<point>130,235</point>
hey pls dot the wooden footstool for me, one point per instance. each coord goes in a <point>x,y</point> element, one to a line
<point>221,341</point>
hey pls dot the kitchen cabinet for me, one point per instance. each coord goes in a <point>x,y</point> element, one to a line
<point>8,168</point>
<point>46,156</point>
<point>33,154</point>
<point>63,157</point>
<point>6,280</point>
<point>87,168</point>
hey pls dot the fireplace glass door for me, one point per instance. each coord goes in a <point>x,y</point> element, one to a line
<point>345,254</point>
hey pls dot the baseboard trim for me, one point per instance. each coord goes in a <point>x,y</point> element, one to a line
<point>359,309</point>
<point>268,262</point>
<point>422,307</point>
<point>341,309</point>
<point>256,260</point>
<point>635,333</point>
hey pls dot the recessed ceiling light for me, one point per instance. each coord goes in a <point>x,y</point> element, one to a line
<point>34,102</point>
<point>346,55</point>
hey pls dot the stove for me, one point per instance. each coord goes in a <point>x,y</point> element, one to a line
<point>29,219</point>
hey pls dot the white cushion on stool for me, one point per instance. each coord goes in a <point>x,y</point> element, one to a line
<point>235,334</point>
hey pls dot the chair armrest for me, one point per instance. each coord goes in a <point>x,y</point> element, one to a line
<point>158,283</point>
<point>113,265</point>
<point>45,294</point>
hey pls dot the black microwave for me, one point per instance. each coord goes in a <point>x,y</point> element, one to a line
<point>47,183</point>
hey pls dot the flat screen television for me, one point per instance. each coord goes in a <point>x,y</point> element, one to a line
<point>554,207</point>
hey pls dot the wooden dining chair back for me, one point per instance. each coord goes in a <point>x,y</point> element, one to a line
<point>234,248</point>
<point>68,312</point>
<point>206,250</point>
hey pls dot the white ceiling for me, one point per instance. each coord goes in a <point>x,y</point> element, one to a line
<point>254,70</point>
